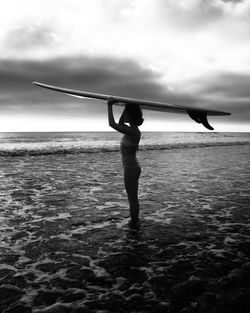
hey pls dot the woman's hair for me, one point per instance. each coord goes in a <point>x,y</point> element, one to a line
<point>135,114</point>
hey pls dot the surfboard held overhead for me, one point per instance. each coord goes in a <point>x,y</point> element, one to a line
<point>199,115</point>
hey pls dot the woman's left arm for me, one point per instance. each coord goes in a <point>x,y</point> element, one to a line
<point>121,120</point>
<point>121,127</point>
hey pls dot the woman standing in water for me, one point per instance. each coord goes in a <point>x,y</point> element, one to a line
<point>129,145</point>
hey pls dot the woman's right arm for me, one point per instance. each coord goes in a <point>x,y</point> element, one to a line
<point>121,120</point>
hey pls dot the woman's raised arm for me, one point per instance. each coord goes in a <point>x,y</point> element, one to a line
<point>120,127</point>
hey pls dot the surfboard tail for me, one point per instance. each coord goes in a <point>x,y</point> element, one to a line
<point>200,117</point>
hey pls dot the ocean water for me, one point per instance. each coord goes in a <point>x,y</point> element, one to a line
<point>15,144</point>
<point>64,241</point>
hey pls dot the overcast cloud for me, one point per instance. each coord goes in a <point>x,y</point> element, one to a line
<point>188,52</point>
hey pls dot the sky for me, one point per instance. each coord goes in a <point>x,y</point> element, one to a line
<point>186,52</point>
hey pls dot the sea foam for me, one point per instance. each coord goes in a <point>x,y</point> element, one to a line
<point>31,144</point>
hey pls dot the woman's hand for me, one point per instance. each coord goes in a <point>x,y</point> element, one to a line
<point>111,101</point>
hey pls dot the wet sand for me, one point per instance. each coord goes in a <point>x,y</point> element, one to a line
<point>66,247</point>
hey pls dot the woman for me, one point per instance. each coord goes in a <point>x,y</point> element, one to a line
<point>129,145</point>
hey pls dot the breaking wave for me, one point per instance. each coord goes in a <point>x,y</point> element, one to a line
<point>48,149</point>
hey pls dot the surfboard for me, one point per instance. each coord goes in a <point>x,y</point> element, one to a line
<point>199,115</point>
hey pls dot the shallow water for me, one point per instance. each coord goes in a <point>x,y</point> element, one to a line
<point>65,243</point>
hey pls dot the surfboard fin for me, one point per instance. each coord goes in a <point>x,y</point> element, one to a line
<point>200,117</point>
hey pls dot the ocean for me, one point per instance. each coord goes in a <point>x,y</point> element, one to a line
<point>16,144</point>
<point>65,244</point>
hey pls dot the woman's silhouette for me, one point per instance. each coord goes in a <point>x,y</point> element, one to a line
<point>132,115</point>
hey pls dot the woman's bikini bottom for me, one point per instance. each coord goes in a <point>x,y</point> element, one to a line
<point>132,172</point>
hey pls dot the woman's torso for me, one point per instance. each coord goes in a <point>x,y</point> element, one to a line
<point>128,147</point>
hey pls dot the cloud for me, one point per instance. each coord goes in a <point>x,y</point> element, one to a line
<point>25,37</point>
<point>233,1</point>
<point>181,39</point>
<point>191,13</point>
<point>229,85</point>
<point>124,77</point>
<point>104,75</point>
<point>185,52</point>
<point>228,91</point>
<point>96,73</point>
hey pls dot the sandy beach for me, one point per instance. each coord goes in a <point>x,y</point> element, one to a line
<point>66,247</point>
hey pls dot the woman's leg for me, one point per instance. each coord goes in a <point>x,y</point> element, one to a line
<point>131,178</point>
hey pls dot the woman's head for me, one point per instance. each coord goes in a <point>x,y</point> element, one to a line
<point>134,114</point>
